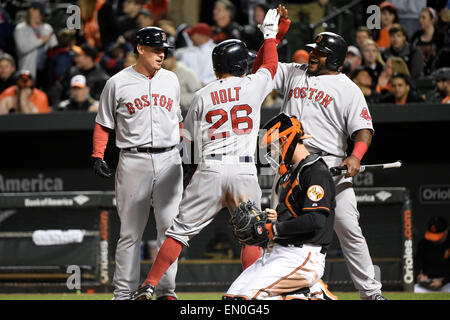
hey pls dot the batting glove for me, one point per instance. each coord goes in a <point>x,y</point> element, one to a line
<point>101,168</point>
<point>269,26</point>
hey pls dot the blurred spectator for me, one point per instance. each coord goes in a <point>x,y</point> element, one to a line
<point>59,64</point>
<point>362,34</point>
<point>372,60</point>
<point>80,99</point>
<point>300,56</point>
<point>432,259</point>
<point>250,33</point>
<point>99,23</point>
<point>182,39</point>
<point>114,55</point>
<point>189,82</point>
<point>170,29</point>
<point>130,60</point>
<point>144,19</point>
<point>308,11</point>
<point>184,12</point>
<point>427,39</point>
<point>361,77</point>
<point>225,27</point>
<point>442,86</point>
<point>352,61</point>
<point>85,64</point>
<point>408,14</point>
<point>401,91</point>
<point>198,58</point>
<point>158,9</point>
<point>7,69</point>
<point>33,38</point>
<point>6,33</point>
<point>128,22</point>
<point>389,16</point>
<point>392,66</point>
<point>401,48</point>
<point>23,97</point>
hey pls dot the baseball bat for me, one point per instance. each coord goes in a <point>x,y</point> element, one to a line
<point>336,171</point>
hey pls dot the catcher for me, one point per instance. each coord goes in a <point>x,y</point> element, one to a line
<point>298,232</point>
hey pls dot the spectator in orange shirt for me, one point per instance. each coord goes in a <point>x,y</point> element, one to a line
<point>158,9</point>
<point>389,16</point>
<point>23,97</point>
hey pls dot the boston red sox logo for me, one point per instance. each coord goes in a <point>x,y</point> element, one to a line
<point>365,114</point>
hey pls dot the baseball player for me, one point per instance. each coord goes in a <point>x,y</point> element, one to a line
<point>142,104</point>
<point>333,108</point>
<point>223,122</point>
<point>301,227</point>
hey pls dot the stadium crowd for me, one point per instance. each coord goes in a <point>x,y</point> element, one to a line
<point>47,67</point>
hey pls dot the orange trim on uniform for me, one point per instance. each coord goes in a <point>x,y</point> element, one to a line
<point>294,298</point>
<point>288,205</point>
<point>229,296</point>
<point>315,208</point>
<point>325,286</point>
<point>285,277</point>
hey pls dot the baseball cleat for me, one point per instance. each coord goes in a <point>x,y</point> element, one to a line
<point>377,296</point>
<point>144,293</point>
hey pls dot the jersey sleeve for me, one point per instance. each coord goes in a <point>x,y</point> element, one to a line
<point>107,106</point>
<point>264,80</point>
<point>358,114</point>
<point>319,192</point>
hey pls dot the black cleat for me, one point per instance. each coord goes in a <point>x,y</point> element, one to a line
<point>144,293</point>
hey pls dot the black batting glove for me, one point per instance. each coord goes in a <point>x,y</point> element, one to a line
<point>101,168</point>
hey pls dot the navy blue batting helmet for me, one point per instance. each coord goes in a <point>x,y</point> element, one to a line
<point>230,56</point>
<point>333,45</point>
<point>152,37</point>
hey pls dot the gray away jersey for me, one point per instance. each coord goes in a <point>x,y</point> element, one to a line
<point>144,112</point>
<point>225,114</point>
<point>331,107</point>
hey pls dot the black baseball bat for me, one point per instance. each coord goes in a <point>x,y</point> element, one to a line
<point>336,171</point>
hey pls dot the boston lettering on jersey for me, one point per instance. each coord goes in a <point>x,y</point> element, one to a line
<point>312,94</point>
<point>144,101</point>
<point>225,95</point>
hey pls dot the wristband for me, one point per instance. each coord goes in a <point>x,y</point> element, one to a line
<point>360,149</point>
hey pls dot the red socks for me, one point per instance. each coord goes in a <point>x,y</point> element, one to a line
<point>168,253</point>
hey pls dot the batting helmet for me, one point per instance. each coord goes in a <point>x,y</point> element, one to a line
<point>152,37</point>
<point>333,45</point>
<point>230,56</point>
<point>283,132</point>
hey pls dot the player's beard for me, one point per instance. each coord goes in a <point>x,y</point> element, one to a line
<point>320,69</point>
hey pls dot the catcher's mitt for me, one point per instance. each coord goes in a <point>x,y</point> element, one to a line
<point>249,225</point>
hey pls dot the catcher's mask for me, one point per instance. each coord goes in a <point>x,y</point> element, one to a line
<point>281,135</point>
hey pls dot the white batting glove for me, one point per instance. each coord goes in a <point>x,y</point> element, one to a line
<point>269,26</point>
